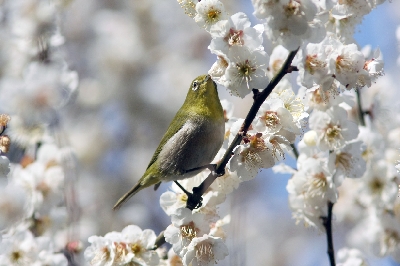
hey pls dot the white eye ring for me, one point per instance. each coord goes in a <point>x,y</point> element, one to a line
<point>195,85</point>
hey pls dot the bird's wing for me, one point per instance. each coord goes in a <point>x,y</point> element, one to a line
<point>177,123</point>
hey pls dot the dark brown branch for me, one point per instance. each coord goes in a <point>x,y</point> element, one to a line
<point>160,240</point>
<point>360,111</point>
<point>194,200</point>
<point>327,222</point>
<point>295,151</point>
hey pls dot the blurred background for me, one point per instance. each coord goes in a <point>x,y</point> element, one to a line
<point>135,61</point>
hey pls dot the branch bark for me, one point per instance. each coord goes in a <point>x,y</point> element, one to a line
<point>327,222</point>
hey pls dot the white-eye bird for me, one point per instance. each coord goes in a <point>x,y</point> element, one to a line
<point>192,139</point>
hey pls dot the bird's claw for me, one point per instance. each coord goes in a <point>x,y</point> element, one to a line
<point>195,200</point>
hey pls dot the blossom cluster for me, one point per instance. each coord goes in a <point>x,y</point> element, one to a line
<point>35,83</point>
<point>329,118</point>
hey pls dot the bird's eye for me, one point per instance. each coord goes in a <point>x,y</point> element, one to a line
<point>195,85</point>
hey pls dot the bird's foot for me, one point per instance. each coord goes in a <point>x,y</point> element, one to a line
<point>195,199</point>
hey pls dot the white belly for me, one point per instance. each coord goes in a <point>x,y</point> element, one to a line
<point>194,145</point>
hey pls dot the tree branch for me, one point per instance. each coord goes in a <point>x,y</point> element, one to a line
<point>327,222</point>
<point>360,111</point>
<point>194,200</point>
<point>160,240</point>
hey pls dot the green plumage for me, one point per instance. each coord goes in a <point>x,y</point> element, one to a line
<point>192,139</point>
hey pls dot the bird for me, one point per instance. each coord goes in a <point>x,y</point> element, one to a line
<point>191,141</point>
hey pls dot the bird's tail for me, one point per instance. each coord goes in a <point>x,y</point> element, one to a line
<point>128,195</point>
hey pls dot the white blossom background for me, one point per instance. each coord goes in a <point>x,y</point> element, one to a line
<point>135,61</point>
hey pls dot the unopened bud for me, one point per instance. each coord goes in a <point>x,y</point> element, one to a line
<point>310,138</point>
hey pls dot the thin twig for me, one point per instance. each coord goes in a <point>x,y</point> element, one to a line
<point>327,222</point>
<point>295,151</point>
<point>360,111</point>
<point>160,240</point>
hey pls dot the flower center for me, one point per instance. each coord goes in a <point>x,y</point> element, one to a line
<point>343,64</point>
<point>250,156</point>
<point>277,150</point>
<point>245,69</point>
<point>136,248</point>
<point>292,9</point>
<point>16,256</point>
<point>204,253</point>
<point>376,185</point>
<point>213,15</point>
<point>316,186</point>
<point>189,231</point>
<point>344,160</point>
<point>271,119</point>
<point>312,64</point>
<point>101,256</point>
<point>183,197</point>
<point>235,37</point>
<point>333,135</point>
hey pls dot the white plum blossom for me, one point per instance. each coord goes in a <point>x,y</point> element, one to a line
<point>314,180</point>
<point>102,251</point>
<point>292,103</point>
<point>189,6</point>
<point>226,183</point>
<point>310,189</point>
<point>246,70</point>
<point>317,98</point>
<point>209,12</point>
<point>18,249</point>
<point>351,257</point>
<point>379,189</point>
<point>273,116</point>
<point>333,128</point>
<point>184,228</point>
<point>348,161</point>
<point>255,153</point>
<point>205,251</point>
<point>313,66</point>
<point>218,69</point>
<point>389,236</point>
<point>47,254</point>
<point>34,99</point>
<point>23,248</point>
<point>138,245</point>
<point>216,228</point>
<point>290,22</point>
<point>132,245</point>
<point>42,179</point>
<point>14,203</point>
<point>236,31</point>
<point>379,233</point>
<point>346,63</point>
<point>356,8</point>
<point>276,60</point>
<point>374,64</point>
